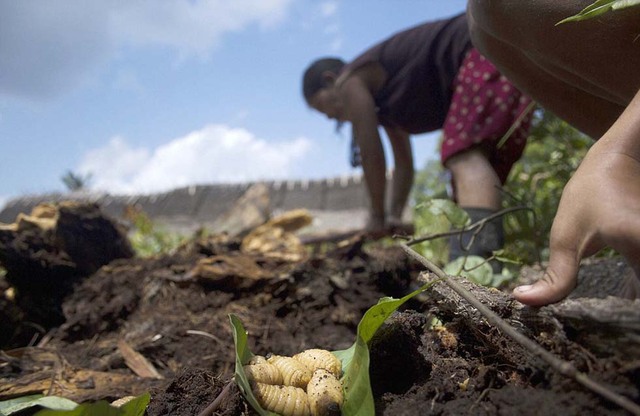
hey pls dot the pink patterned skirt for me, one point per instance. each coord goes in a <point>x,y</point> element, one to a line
<point>484,106</point>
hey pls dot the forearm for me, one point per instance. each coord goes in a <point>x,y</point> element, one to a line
<point>361,112</point>
<point>403,172</point>
<point>624,135</point>
<point>374,167</point>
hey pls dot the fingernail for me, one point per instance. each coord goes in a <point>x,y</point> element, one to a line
<point>524,288</point>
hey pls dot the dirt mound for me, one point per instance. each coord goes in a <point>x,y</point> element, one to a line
<point>161,325</point>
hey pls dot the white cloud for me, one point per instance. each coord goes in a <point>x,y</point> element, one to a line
<point>216,153</point>
<point>192,27</point>
<point>48,47</point>
<point>331,26</point>
<point>329,8</point>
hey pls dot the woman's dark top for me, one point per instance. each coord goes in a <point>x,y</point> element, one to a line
<point>421,64</point>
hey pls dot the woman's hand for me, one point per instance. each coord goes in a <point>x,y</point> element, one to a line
<point>600,207</point>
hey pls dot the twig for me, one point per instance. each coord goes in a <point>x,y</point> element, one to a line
<point>204,334</point>
<point>477,226</point>
<point>563,367</point>
<point>214,404</point>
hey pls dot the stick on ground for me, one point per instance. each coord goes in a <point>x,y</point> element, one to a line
<point>563,367</point>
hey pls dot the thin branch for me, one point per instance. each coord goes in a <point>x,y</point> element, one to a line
<point>477,226</point>
<point>216,403</point>
<point>563,367</point>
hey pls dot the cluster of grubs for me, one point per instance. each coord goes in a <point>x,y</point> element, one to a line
<point>307,384</point>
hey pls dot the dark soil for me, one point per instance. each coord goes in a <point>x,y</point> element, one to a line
<point>178,320</point>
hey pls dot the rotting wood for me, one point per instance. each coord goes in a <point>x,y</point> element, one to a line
<point>563,367</point>
<point>608,326</point>
<point>137,362</point>
<point>52,375</point>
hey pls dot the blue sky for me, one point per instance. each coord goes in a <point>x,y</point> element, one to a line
<point>147,96</point>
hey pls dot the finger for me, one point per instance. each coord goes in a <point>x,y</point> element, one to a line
<point>557,283</point>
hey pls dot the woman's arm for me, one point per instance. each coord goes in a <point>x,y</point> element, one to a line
<point>360,111</point>
<point>403,172</point>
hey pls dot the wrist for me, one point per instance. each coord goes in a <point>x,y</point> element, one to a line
<point>623,137</point>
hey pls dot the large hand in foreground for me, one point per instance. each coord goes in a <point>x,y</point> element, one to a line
<point>600,207</point>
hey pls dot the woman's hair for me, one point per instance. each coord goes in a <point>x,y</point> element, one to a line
<point>313,81</point>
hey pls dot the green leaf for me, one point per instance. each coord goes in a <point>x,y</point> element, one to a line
<point>9,407</point>
<point>358,398</point>
<point>447,208</point>
<point>100,408</point>
<point>475,268</point>
<point>355,360</point>
<point>135,407</point>
<point>243,355</point>
<point>598,8</point>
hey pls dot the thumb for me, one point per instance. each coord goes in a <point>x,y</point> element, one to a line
<point>558,281</point>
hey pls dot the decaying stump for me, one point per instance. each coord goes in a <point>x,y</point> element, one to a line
<point>47,252</point>
<point>609,326</point>
<point>606,327</point>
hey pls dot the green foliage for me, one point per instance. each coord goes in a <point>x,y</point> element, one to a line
<point>479,271</point>
<point>148,239</point>
<point>429,185</point>
<point>134,407</point>
<point>553,153</point>
<point>358,399</point>
<point>439,217</point>
<point>12,406</point>
<point>600,7</point>
<point>243,356</point>
<point>59,406</point>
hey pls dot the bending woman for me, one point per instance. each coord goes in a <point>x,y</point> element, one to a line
<point>419,80</point>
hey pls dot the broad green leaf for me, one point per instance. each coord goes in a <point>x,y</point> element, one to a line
<point>474,268</point>
<point>243,355</point>
<point>355,360</point>
<point>135,407</point>
<point>100,408</point>
<point>358,399</point>
<point>478,270</point>
<point>501,278</point>
<point>9,407</point>
<point>447,208</point>
<point>598,8</point>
